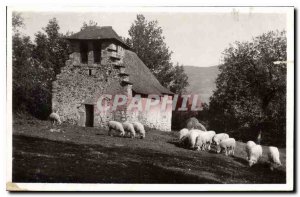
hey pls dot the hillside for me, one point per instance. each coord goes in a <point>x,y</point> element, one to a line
<point>89,155</point>
<point>201,80</point>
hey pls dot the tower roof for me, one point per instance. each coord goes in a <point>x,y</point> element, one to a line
<point>98,33</point>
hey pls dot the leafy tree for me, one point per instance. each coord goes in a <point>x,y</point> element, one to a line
<point>17,21</point>
<point>179,80</point>
<point>251,89</point>
<point>52,50</point>
<point>28,76</point>
<point>147,41</point>
<point>35,66</point>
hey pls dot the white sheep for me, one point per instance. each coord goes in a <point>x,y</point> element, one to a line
<point>191,137</point>
<point>54,117</point>
<point>117,126</point>
<point>255,154</point>
<point>210,135</point>
<point>248,147</point>
<point>129,128</point>
<point>219,137</point>
<point>201,140</point>
<point>274,157</point>
<point>139,129</point>
<point>182,133</point>
<point>228,145</point>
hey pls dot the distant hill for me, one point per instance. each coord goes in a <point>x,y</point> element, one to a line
<point>201,80</point>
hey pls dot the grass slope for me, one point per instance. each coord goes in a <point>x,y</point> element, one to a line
<point>88,155</point>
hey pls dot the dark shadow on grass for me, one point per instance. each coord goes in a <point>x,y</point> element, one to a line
<point>101,134</point>
<point>240,160</point>
<point>44,161</point>
<point>176,143</point>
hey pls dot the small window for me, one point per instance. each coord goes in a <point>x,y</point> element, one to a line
<point>90,72</point>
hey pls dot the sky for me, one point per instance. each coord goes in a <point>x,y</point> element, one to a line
<point>196,39</point>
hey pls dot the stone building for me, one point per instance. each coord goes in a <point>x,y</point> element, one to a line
<point>102,64</point>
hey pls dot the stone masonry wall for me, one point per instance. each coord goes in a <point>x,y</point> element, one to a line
<point>154,118</point>
<point>81,84</point>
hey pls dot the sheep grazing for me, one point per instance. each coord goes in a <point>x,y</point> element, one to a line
<point>54,117</point>
<point>139,128</point>
<point>129,129</point>
<point>274,157</point>
<point>210,135</point>
<point>117,126</point>
<point>248,147</point>
<point>190,139</point>
<point>254,154</point>
<point>182,133</point>
<point>228,145</point>
<point>219,137</point>
<point>201,140</point>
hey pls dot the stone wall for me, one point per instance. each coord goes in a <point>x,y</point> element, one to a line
<point>80,84</point>
<point>154,118</point>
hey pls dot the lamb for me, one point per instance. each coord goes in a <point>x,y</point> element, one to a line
<point>255,154</point>
<point>117,126</point>
<point>139,128</point>
<point>129,129</point>
<point>54,117</point>
<point>182,133</point>
<point>274,158</point>
<point>248,147</point>
<point>228,145</point>
<point>219,137</point>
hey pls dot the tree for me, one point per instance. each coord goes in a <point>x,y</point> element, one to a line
<point>17,21</point>
<point>147,41</point>
<point>251,88</point>
<point>179,80</point>
<point>35,66</point>
<point>52,50</point>
<point>28,76</point>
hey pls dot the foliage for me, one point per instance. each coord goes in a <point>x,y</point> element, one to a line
<point>35,66</point>
<point>17,21</point>
<point>147,41</point>
<point>179,80</point>
<point>251,89</point>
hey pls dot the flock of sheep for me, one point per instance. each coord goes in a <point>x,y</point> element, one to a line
<point>124,129</point>
<point>127,129</point>
<point>196,137</point>
<point>200,140</point>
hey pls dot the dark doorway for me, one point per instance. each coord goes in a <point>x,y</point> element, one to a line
<point>84,52</point>
<point>89,114</point>
<point>97,52</point>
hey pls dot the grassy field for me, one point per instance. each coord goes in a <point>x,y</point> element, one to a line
<point>88,155</point>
